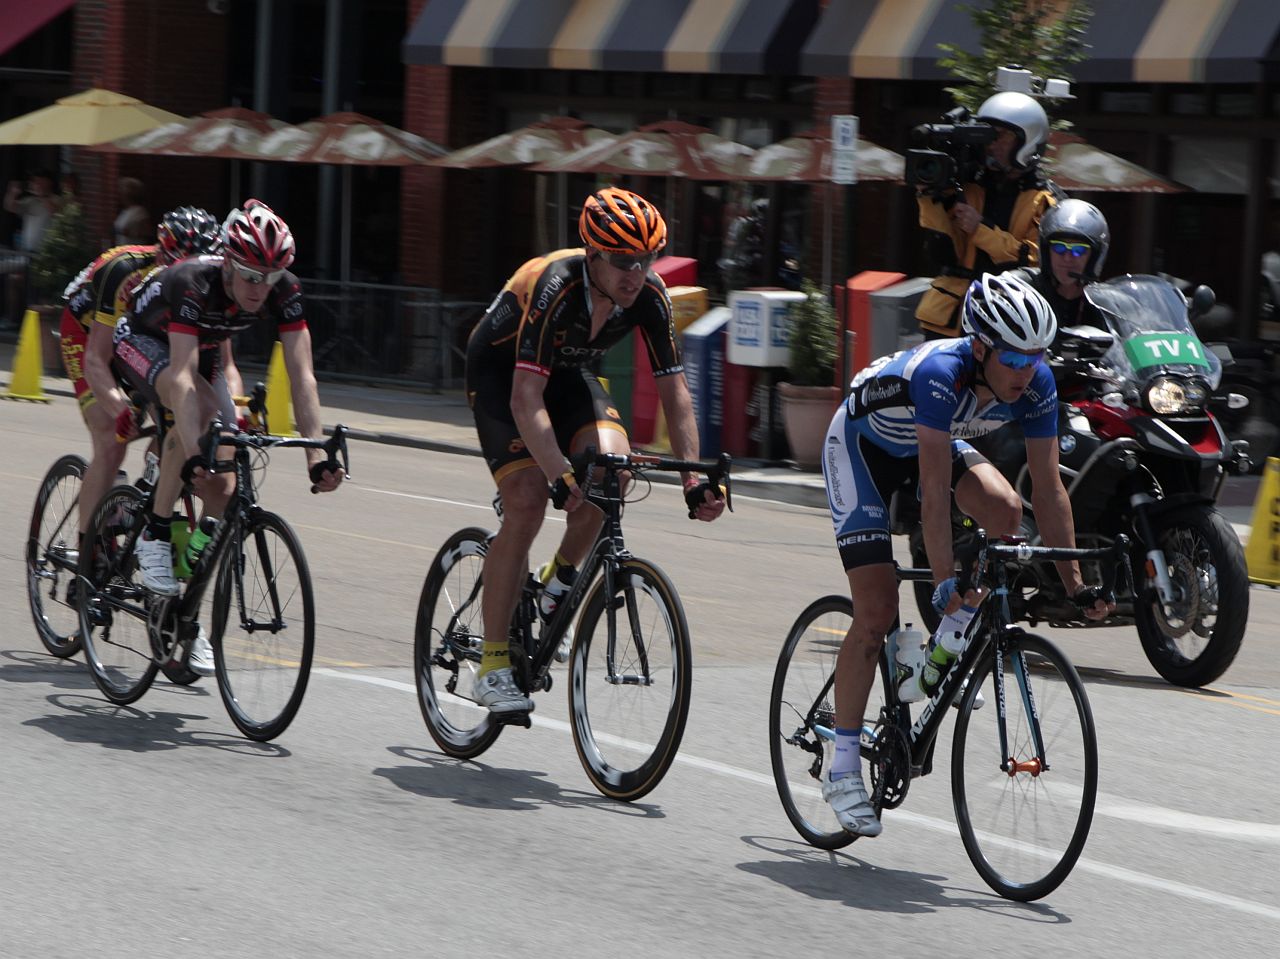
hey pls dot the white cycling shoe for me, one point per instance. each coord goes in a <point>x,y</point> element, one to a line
<point>849,801</point>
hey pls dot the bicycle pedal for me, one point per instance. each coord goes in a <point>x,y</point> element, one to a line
<point>514,719</point>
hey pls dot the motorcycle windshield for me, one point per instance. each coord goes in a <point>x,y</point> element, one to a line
<point>1153,335</point>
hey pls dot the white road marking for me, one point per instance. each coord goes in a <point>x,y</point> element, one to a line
<point>1112,806</point>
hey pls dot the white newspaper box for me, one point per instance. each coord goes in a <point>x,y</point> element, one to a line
<point>758,332</point>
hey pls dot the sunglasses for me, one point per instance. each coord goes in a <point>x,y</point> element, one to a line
<point>1019,361</point>
<point>256,277</point>
<point>1070,249</point>
<point>627,262</point>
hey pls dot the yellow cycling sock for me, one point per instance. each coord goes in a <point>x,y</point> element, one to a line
<point>494,656</point>
<point>548,569</point>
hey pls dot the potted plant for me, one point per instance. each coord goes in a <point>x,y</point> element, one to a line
<point>64,252</point>
<point>810,396</point>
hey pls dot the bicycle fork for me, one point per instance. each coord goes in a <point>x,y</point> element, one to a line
<point>1010,764</point>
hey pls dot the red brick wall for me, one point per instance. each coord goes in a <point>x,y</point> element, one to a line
<point>422,228</point>
<point>171,54</point>
<point>832,95</point>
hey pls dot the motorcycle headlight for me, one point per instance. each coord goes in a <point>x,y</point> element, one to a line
<point>1166,395</point>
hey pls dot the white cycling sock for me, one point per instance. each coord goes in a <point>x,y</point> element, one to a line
<point>848,756</point>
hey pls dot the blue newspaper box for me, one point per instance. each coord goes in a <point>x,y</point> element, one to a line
<point>703,345</point>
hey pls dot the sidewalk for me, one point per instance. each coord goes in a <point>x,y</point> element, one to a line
<point>442,422</point>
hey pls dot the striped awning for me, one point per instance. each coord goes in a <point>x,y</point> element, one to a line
<point>686,36</point>
<point>1131,41</point>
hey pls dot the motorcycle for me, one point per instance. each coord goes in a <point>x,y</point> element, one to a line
<point>1140,454</point>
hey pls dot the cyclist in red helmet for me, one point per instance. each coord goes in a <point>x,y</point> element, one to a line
<point>94,299</point>
<point>536,400</point>
<point>167,345</point>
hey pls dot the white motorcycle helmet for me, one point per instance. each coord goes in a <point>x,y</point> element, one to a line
<point>1025,117</point>
<point>1004,310</point>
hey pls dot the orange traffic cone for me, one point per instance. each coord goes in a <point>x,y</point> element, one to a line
<point>24,384</point>
<point>279,403</point>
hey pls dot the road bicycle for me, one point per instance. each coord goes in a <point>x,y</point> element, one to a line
<point>53,554</point>
<point>251,584</point>
<point>1023,781</point>
<point>630,663</point>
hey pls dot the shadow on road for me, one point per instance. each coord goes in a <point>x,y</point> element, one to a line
<point>843,878</point>
<point>95,721</point>
<point>470,783</point>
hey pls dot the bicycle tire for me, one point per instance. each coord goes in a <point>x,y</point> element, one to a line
<point>798,754</point>
<point>612,720</point>
<point>53,545</point>
<point>1013,833</point>
<point>460,727</point>
<point>114,606</point>
<point>263,662</point>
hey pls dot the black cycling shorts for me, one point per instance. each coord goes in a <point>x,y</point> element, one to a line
<point>576,401</point>
<point>141,358</point>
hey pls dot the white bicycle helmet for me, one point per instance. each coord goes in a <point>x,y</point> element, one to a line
<point>1025,117</point>
<point>1005,311</point>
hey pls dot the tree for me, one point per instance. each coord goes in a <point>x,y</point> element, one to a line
<point>1037,35</point>
<point>63,253</point>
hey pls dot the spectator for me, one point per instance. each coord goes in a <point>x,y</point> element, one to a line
<point>69,188</point>
<point>36,204</point>
<point>133,224</point>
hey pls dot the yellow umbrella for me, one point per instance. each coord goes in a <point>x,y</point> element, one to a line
<point>94,116</point>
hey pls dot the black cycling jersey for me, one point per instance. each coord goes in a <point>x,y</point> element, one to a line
<point>190,297</point>
<point>541,320</point>
<point>101,289</point>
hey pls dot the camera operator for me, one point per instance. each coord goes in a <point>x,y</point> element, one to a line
<point>987,219</point>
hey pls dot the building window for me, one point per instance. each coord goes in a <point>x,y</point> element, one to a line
<point>1126,101</point>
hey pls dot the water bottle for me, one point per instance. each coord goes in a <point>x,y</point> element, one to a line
<point>199,540</point>
<point>180,536</point>
<point>947,642</point>
<point>909,655</point>
<point>554,590</point>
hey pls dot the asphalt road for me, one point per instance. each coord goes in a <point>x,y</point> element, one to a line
<point>155,830</point>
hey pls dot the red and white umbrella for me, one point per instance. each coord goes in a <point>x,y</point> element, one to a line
<point>1080,167</point>
<point>669,148</point>
<point>806,158</point>
<point>231,133</point>
<point>352,139</point>
<point>546,140</point>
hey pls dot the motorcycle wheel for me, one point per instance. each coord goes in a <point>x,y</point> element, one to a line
<point>1193,642</point>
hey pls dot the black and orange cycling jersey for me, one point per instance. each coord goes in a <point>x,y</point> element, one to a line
<point>190,297</point>
<point>541,320</point>
<point>100,289</point>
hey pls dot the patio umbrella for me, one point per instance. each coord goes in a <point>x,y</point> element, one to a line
<point>546,140</point>
<point>232,133</point>
<point>538,142</point>
<point>94,116</point>
<point>669,148</point>
<point>1080,167</point>
<point>806,158</point>
<point>347,140</point>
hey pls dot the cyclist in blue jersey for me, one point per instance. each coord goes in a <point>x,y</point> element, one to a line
<point>906,420</point>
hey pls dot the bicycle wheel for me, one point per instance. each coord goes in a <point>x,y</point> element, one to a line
<point>114,607</point>
<point>802,718</point>
<point>447,642</point>
<point>1024,816</point>
<point>53,553</point>
<point>263,626</point>
<point>630,689</point>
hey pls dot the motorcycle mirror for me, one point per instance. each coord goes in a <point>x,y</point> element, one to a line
<point>1237,401</point>
<point>1202,300</point>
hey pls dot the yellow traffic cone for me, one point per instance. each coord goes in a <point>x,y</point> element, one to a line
<point>24,384</point>
<point>279,403</point>
<point>1262,554</point>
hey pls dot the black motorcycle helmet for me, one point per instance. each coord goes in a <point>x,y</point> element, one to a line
<point>1077,220</point>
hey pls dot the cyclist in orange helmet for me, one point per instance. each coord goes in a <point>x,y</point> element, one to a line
<point>536,401</point>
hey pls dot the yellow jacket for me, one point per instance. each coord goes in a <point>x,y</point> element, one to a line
<point>939,309</point>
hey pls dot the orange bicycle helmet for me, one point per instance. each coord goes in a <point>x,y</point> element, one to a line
<point>619,221</point>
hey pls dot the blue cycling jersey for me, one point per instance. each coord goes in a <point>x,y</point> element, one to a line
<point>933,384</point>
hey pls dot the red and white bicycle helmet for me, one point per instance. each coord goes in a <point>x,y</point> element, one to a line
<point>254,236</point>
